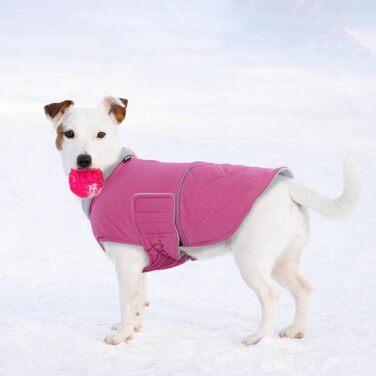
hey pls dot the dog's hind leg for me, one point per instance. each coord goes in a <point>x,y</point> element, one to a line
<point>286,272</point>
<point>258,244</point>
<point>258,277</point>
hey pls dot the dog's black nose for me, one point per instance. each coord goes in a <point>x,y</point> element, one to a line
<point>83,161</point>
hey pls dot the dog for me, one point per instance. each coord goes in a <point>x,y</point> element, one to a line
<point>267,246</point>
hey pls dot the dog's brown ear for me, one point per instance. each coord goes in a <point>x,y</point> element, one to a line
<point>54,111</point>
<point>116,108</point>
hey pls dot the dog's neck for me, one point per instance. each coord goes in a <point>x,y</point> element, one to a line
<point>125,153</point>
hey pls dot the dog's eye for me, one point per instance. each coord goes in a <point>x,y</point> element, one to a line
<point>101,134</point>
<point>69,134</point>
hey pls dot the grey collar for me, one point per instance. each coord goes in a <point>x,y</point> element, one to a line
<point>86,202</point>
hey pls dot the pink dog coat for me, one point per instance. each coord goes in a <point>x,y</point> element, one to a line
<point>162,206</point>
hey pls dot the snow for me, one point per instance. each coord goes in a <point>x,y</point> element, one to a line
<point>257,83</point>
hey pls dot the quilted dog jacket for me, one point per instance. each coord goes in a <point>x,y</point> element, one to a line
<point>162,206</point>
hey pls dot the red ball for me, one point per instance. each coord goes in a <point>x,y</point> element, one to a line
<point>86,183</point>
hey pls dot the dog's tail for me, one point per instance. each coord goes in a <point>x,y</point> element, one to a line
<point>333,209</point>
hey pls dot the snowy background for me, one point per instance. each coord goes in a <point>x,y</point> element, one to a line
<point>254,82</point>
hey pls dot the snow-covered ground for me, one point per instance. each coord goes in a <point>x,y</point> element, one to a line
<point>258,83</point>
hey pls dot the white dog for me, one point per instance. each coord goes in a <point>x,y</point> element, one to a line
<point>266,247</point>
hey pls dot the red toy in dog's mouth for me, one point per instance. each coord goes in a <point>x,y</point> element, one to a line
<point>86,183</point>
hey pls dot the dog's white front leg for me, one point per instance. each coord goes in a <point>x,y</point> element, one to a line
<point>129,263</point>
<point>138,304</point>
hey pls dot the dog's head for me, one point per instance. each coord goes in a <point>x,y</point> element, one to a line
<point>87,138</point>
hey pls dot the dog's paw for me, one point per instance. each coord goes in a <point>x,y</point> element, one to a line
<point>120,335</point>
<point>137,326</point>
<point>292,332</point>
<point>251,340</point>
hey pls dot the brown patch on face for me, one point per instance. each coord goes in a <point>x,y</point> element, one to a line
<point>53,109</point>
<point>59,137</point>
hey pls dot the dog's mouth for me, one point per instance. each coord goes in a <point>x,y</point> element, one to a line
<point>85,168</point>
<point>86,183</point>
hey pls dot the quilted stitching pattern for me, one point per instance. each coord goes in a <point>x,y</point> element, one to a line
<point>156,204</point>
<point>215,198</point>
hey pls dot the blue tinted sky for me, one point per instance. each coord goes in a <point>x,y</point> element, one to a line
<point>195,64</point>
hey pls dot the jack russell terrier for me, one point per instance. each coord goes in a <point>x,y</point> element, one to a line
<point>154,215</point>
